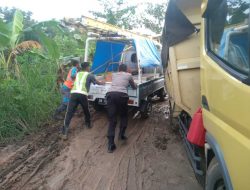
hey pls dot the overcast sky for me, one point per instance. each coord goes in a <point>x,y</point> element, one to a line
<point>48,9</point>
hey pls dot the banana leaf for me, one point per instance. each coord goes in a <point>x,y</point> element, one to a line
<point>16,28</point>
<point>4,35</point>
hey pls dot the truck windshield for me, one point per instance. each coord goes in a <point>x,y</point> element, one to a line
<point>229,33</point>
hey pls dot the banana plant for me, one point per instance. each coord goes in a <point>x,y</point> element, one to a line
<point>14,42</point>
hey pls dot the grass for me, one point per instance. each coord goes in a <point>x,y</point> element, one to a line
<point>28,102</point>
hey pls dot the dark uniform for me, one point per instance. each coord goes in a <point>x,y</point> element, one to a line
<point>117,104</point>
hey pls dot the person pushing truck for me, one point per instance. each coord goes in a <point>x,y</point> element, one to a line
<point>79,95</point>
<point>117,102</point>
<point>65,89</point>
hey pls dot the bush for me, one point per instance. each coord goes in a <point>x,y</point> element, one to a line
<point>28,102</point>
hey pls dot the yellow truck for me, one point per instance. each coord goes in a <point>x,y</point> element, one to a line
<point>206,58</point>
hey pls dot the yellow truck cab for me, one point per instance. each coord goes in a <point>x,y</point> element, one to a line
<point>206,57</point>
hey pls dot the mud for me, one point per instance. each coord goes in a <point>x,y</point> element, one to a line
<point>153,158</point>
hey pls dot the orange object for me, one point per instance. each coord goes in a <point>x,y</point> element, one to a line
<point>196,132</point>
<point>69,81</point>
<point>108,77</point>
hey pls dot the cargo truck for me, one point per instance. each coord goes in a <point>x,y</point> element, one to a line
<point>142,58</point>
<point>114,46</point>
<point>205,56</point>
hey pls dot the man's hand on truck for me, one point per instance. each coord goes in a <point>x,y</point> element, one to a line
<point>101,82</point>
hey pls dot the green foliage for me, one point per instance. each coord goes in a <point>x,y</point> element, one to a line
<point>51,46</point>
<point>12,32</point>
<point>28,102</point>
<point>29,98</point>
<point>8,14</point>
<point>4,35</point>
<point>44,33</point>
<point>16,28</point>
<point>120,13</point>
<point>71,43</point>
<point>153,17</point>
<point>237,10</point>
<point>117,12</point>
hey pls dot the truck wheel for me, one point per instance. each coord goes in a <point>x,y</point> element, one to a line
<point>162,94</point>
<point>98,107</point>
<point>214,178</point>
<point>146,109</point>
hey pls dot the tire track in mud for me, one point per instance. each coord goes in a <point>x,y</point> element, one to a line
<point>29,159</point>
<point>152,158</point>
<point>99,172</point>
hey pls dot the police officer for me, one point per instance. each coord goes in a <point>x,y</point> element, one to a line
<point>117,102</point>
<point>79,95</point>
<point>65,89</point>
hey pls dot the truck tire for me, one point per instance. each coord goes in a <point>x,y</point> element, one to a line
<point>162,94</point>
<point>98,107</point>
<point>146,109</point>
<point>214,178</point>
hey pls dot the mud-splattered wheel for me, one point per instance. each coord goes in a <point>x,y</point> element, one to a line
<point>214,178</point>
<point>97,106</point>
<point>146,109</point>
<point>162,94</point>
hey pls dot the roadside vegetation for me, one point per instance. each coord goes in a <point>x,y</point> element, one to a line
<point>32,53</point>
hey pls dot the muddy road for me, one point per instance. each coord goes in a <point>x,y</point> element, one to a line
<point>153,158</point>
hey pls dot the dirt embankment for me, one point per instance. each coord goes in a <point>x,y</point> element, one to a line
<point>153,158</point>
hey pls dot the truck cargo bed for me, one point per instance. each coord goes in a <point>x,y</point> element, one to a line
<point>148,85</point>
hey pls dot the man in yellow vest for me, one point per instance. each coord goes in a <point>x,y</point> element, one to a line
<point>79,95</point>
<point>65,89</point>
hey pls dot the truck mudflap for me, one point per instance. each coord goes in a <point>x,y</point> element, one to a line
<point>196,132</point>
<point>193,151</point>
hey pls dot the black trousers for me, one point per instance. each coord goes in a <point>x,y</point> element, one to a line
<point>117,104</point>
<point>75,100</point>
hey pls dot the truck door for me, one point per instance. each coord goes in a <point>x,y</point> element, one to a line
<point>225,85</point>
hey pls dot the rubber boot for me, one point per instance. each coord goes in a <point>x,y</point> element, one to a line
<point>111,144</point>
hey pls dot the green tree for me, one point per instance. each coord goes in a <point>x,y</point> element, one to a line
<point>117,12</point>
<point>237,11</point>
<point>120,13</point>
<point>153,17</point>
<point>71,43</point>
<point>12,37</point>
<point>8,14</point>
